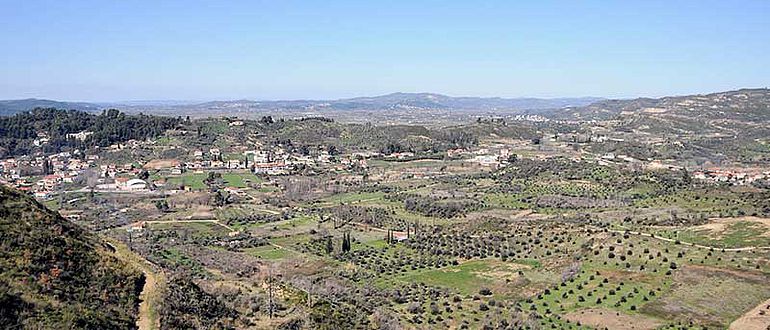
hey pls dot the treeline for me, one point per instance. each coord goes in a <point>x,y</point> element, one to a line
<point>435,206</point>
<point>533,169</point>
<point>18,132</point>
<point>315,132</point>
<point>373,216</point>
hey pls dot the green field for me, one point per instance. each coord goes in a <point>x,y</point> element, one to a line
<point>192,180</point>
<point>269,252</point>
<point>240,180</point>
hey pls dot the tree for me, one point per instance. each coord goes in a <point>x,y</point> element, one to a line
<point>213,180</point>
<point>345,242</point>
<point>329,246</point>
<point>47,168</point>
<point>221,198</point>
<point>162,205</point>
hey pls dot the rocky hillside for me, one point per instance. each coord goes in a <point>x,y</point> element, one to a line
<point>745,105</point>
<point>734,124</point>
<point>54,275</point>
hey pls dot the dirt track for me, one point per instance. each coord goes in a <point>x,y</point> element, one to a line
<point>753,320</point>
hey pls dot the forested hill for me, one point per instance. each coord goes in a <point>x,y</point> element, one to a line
<point>12,107</point>
<point>54,275</point>
<point>51,128</point>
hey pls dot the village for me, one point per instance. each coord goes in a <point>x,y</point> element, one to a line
<point>45,176</point>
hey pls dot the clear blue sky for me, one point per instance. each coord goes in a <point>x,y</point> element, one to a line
<point>283,49</point>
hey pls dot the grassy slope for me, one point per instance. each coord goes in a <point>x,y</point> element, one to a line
<point>54,275</point>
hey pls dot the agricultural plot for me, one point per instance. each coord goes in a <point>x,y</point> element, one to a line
<point>712,296</point>
<point>552,244</point>
<point>352,198</point>
<point>240,180</point>
<point>269,252</point>
<point>192,180</point>
<point>472,276</point>
<point>728,233</point>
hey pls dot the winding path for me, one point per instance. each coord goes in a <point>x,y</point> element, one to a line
<point>214,221</point>
<point>150,297</point>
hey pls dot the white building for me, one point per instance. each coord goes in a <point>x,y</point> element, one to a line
<point>135,185</point>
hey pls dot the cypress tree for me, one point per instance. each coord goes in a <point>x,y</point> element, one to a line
<point>329,246</point>
<point>345,242</point>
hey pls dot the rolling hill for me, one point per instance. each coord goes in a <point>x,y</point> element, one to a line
<point>748,105</point>
<point>412,101</point>
<point>55,275</point>
<point>735,124</point>
<point>12,107</point>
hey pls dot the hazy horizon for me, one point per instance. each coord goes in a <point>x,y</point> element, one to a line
<point>204,100</point>
<point>194,51</point>
<point>303,98</point>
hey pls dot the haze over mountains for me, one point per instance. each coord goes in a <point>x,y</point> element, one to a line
<point>743,105</point>
<point>394,101</point>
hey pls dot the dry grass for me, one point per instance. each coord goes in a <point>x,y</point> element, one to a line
<point>756,319</point>
<point>710,296</point>
<point>157,164</point>
<point>603,318</point>
<point>718,226</point>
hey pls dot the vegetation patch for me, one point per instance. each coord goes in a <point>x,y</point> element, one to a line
<point>712,296</point>
<point>601,318</point>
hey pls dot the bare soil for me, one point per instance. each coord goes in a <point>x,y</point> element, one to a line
<point>755,319</point>
<point>603,318</point>
<point>157,164</point>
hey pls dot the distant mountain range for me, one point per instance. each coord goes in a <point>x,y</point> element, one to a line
<point>395,101</point>
<point>744,104</point>
<point>398,101</point>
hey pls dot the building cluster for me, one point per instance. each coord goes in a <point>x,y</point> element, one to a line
<point>494,156</point>
<point>532,118</point>
<point>611,158</point>
<point>274,160</point>
<point>731,176</point>
<point>42,175</point>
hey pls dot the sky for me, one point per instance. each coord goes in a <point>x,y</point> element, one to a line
<point>282,49</point>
